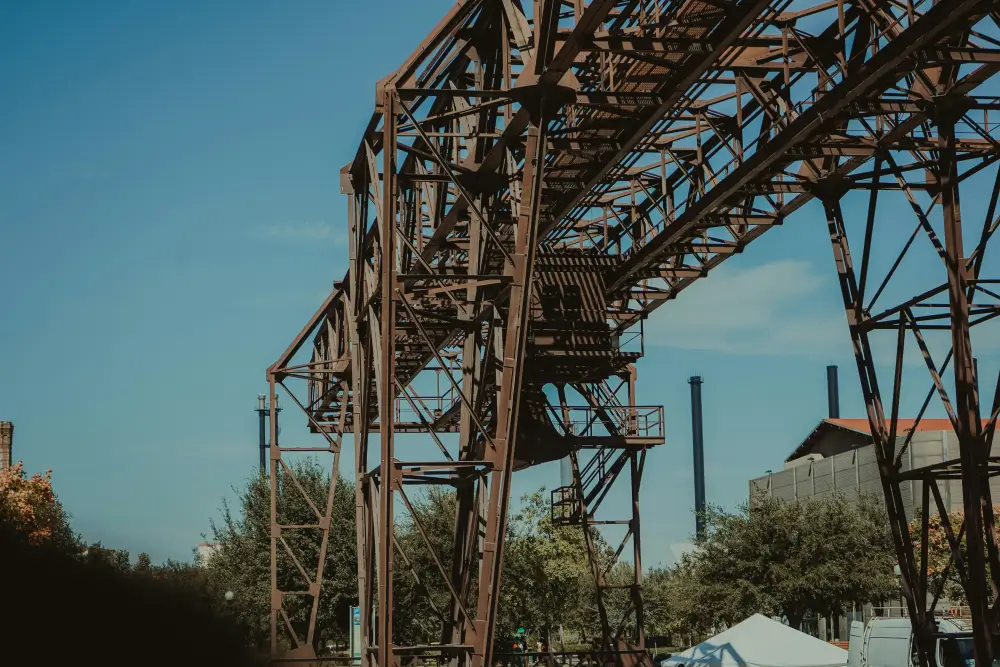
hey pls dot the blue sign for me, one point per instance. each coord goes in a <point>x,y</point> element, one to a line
<point>355,638</point>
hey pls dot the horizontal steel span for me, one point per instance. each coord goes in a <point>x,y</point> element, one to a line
<point>537,178</point>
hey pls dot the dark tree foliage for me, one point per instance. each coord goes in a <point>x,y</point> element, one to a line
<point>656,600</point>
<point>421,597</point>
<point>546,580</point>
<point>98,556</point>
<point>792,558</point>
<point>243,562</point>
<point>61,609</point>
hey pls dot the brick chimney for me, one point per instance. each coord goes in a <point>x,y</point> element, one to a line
<point>6,445</point>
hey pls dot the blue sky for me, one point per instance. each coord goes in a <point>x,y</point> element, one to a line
<point>170,216</point>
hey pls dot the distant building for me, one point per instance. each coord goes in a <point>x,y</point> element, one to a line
<point>6,445</point>
<point>838,456</point>
<point>205,551</point>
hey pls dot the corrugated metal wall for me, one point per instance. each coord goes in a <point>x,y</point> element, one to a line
<point>856,471</point>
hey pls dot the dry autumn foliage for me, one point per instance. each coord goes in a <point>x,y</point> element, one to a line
<point>29,506</point>
<point>940,569</point>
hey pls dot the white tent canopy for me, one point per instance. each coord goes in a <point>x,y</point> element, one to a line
<point>760,642</point>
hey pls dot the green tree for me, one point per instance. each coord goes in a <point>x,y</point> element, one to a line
<point>656,603</point>
<point>657,608</point>
<point>547,581</point>
<point>792,558</point>
<point>98,555</point>
<point>143,563</point>
<point>688,618</point>
<point>421,598</point>
<point>242,562</point>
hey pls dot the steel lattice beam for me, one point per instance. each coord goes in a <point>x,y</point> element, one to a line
<point>536,180</point>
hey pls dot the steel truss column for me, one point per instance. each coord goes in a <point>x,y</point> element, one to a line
<point>387,480</point>
<point>637,462</point>
<point>592,481</point>
<point>274,456</point>
<point>360,361</point>
<point>883,435</point>
<point>500,452</point>
<point>968,427</point>
<point>469,496</point>
<point>914,318</point>
<point>297,576</point>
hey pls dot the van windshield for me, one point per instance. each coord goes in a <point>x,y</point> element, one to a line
<point>957,652</point>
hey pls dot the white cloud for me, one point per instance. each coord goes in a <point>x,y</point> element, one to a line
<point>787,307</point>
<point>305,232</point>
<point>766,309</point>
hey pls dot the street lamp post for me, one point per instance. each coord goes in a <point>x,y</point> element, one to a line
<point>899,582</point>
<point>262,413</point>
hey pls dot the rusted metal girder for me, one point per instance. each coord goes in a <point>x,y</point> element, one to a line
<point>538,178</point>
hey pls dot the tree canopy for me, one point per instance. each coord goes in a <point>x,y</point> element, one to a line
<point>772,557</point>
<point>242,561</point>
<point>786,558</point>
<point>29,507</point>
<point>546,579</point>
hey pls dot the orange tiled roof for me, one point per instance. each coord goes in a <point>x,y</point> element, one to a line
<point>862,425</point>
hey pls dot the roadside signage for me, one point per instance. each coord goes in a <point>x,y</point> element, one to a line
<point>355,637</point>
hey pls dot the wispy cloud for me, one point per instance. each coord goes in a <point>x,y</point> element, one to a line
<point>766,309</point>
<point>305,232</point>
<point>786,307</point>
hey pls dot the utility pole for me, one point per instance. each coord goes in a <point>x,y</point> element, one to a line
<point>262,412</point>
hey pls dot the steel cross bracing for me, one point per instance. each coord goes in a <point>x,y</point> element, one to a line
<point>537,178</point>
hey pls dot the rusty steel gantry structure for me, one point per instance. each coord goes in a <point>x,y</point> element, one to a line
<point>538,177</point>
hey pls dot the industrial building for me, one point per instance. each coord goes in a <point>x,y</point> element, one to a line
<point>838,456</point>
<point>204,552</point>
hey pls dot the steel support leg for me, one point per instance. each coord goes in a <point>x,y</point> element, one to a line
<point>501,456</point>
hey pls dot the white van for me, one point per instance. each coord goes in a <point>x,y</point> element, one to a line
<point>888,642</point>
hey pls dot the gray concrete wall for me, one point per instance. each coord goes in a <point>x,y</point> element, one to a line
<point>856,471</point>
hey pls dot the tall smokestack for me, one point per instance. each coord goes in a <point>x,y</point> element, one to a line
<point>262,444</point>
<point>698,440</point>
<point>6,445</point>
<point>833,392</point>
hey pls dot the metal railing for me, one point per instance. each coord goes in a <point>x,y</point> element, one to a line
<point>585,421</point>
